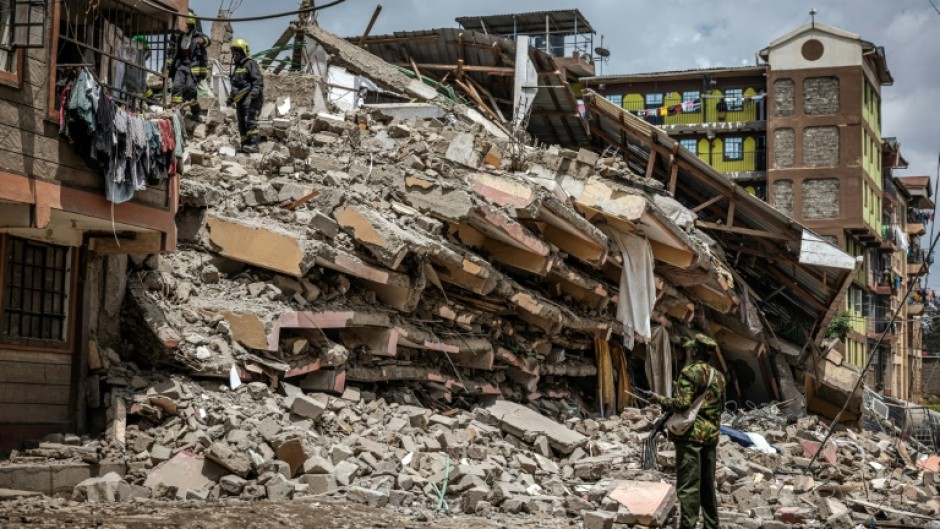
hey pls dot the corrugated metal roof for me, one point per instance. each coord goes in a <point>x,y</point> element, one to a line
<point>774,272</point>
<point>555,117</point>
<point>563,21</point>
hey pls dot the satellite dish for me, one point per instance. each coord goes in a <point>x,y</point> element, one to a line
<point>603,52</point>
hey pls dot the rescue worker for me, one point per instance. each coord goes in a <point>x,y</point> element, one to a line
<point>696,450</point>
<point>190,66</point>
<point>247,94</point>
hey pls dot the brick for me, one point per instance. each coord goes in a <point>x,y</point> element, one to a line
<point>783,196</point>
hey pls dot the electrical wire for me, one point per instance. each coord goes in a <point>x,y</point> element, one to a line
<point>298,11</point>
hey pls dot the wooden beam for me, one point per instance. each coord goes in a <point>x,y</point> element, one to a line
<point>651,165</point>
<point>707,203</point>
<point>730,219</point>
<point>741,231</point>
<point>365,34</point>
<point>141,243</point>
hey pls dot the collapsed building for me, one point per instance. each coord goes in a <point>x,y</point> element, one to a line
<point>400,267</point>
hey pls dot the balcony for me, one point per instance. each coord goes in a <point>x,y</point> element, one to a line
<point>916,263</point>
<point>747,116</point>
<point>740,166</point>
<point>915,228</point>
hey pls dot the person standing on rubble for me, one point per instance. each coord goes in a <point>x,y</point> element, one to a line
<point>696,450</point>
<point>247,94</point>
<point>190,66</point>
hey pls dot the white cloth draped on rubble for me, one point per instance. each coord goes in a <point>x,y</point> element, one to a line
<point>637,286</point>
<point>659,362</point>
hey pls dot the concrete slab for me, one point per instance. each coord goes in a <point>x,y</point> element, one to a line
<point>648,502</point>
<point>186,471</point>
<point>520,420</point>
<point>259,246</point>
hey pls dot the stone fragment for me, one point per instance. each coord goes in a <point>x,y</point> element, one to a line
<point>318,483</point>
<point>648,502</point>
<point>372,498</point>
<point>235,462</point>
<point>107,489</point>
<point>308,407</point>
<point>232,484</point>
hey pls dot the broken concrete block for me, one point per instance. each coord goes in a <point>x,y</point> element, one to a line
<point>318,483</point>
<point>462,150</point>
<point>372,498</point>
<point>293,453</point>
<point>233,461</point>
<point>275,250</point>
<point>599,520</point>
<point>232,484</point>
<point>345,472</point>
<point>308,407</point>
<point>107,489</point>
<point>520,421</point>
<point>185,471</point>
<point>648,502</point>
<point>318,465</point>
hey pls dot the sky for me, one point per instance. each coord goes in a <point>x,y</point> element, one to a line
<point>655,35</point>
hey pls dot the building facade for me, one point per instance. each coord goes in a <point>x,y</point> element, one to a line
<point>802,130</point>
<point>63,244</point>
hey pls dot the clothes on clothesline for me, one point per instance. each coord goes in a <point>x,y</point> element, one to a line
<point>695,105</point>
<point>131,149</point>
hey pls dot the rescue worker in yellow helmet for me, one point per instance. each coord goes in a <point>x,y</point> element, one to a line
<point>190,65</point>
<point>247,94</point>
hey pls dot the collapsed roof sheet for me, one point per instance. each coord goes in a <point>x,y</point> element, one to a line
<point>562,21</point>
<point>772,250</point>
<point>489,62</point>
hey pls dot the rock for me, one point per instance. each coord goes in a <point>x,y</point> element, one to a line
<point>233,461</point>
<point>318,483</point>
<point>345,472</point>
<point>107,489</point>
<point>318,465</point>
<point>232,484</point>
<point>372,498</point>
<point>598,520</point>
<point>308,407</point>
<point>398,130</point>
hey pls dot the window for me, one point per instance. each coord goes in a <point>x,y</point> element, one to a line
<point>857,299</point>
<point>11,59</point>
<point>734,98</point>
<point>7,51</point>
<point>615,99</point>
<point>690,144</point>
<point>690,96</point>
<point>734,148</point>
<point>36,292</point>
<point>654,100</point>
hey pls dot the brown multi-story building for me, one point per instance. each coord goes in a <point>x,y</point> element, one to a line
<point>63,244</point>
<point>802,130</point>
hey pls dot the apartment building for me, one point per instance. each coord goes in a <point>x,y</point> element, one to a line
<point>802,130</point>
<point>63,243</point>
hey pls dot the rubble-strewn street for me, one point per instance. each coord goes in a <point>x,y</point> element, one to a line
<point>407,311</point>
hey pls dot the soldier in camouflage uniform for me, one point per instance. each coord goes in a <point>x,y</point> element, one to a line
<point>696,450</point>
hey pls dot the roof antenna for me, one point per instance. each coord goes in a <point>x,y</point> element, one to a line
<point>812,14</point>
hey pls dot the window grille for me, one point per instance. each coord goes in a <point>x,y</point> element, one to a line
<point>734,149</point>
<point>36,292</point>
<point>734,99</point>
<point>124,46</point>
<point>691,145</point>
<point>654,100</point>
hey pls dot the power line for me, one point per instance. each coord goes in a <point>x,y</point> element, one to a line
<point>298,11</point>
<point>934,6</point>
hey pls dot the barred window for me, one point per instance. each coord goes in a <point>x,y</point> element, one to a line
<point>36,292</point>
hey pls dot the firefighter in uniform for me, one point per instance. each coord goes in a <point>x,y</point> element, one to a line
<point>189,66</point>
<point>247,94</point>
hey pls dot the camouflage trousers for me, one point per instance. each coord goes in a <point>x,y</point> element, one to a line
<point>695,484</point>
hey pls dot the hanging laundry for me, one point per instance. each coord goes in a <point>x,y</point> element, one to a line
<point>659,362</point>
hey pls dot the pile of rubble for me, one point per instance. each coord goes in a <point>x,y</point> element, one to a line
<point>202,441</point>
<point>360,308</point>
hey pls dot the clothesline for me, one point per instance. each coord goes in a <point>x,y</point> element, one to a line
<point>695,105</point>
<point>131,148</point>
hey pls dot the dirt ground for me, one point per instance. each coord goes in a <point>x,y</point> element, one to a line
<point>300,513</point>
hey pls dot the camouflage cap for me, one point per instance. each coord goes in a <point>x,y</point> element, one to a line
<point>700,341</point>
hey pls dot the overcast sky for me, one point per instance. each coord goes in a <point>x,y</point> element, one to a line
<point>653,35</point>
